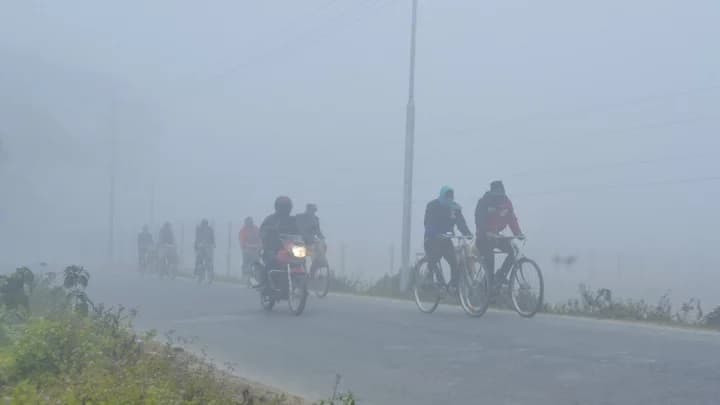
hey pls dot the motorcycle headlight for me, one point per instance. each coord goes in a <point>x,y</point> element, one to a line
<point>299,251</point>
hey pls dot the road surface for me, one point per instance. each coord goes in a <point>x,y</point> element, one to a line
<point>387,352</point>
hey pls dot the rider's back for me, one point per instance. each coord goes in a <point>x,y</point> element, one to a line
<point>441,217</point>
<point>275,225</point>
<point>494,213</point>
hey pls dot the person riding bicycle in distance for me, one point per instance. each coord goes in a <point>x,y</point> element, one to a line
<point>442,215</point>
<point>494,213</point>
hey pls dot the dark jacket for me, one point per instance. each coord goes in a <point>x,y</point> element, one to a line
<point>166,236</point>
<point>442,217</point>
<point>272,227</point>
<point>204,235</point>
<point>145,241</point>
<point>309,226</point>
<point>493,213</point>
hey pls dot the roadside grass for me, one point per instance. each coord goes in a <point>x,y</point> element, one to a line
<point>599,304</point>
<point>54,353</point>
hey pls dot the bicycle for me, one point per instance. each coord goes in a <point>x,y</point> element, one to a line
<point>517,282</point>
<point>319,269</point>
<point>472,284</point>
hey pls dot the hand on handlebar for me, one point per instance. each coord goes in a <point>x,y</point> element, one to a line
<point>521,236</point>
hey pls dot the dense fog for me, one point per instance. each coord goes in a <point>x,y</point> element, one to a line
<point>606,138</point>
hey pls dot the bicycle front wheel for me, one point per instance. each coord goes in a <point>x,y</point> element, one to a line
<point>527,289</point>
<point>427,291</point>
<point>474,289</point>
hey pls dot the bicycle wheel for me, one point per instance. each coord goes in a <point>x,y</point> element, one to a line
<point>527,288</point>
<point>427,290</point>
<point>474,289</point>
<point>320,281</point>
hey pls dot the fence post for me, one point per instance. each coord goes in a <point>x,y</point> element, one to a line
<point>181,260</point>
<point>229,249</point>
<point>342,258</point>
<point>392,260</point>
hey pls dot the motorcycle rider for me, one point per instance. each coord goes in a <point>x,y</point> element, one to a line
<point>309,224</point>
<point>494,213</point>
<point>442,215</point>
<point>145,245</point>
<point>276,224</point>
<point>249,243</point>
<point>204,245</point>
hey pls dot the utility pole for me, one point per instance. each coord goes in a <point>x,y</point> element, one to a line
<point>113,167</point>
<point>409,156</point>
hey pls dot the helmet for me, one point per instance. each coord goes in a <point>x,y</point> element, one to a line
<point>283,205</point>
<point>248,221</point>
<point>497,187</point>
<point>311,208</point>
<point>204,223</point>
<point>145,228</point>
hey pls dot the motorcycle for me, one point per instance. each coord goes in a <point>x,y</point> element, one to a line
<point>289,282</point>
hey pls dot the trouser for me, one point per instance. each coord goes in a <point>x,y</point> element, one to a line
<point>204,254</point>
<point>486,247</point>
<point>438,249</point>
<point>249,255</point>
<point>143,257</point>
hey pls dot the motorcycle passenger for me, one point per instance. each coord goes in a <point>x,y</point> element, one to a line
<point>494,213</point>
<point>250,243</point>
<point>275,225</point>
<point>442,215</point>
<point>204,245</point>
<point>309,225</point>
<point>145,245</point>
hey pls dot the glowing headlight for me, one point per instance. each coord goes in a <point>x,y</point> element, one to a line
<point>299,251</point>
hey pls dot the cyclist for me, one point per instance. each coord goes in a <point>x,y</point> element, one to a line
<point>166,243</point>
<point>145,245</point>
<point>204,245</point>
<point>249,243</point>
<point>494,213</point>
<point>442,215</point>
<point>275,225</point>
<point>309,224</point>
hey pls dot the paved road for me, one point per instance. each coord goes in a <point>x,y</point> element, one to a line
<point>389,353</point>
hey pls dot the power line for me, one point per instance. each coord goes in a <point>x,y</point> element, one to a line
<point>606,187</point>
<point>600,107</point>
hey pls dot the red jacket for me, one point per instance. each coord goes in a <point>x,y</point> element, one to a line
<point>494,213</point>
<point>249,236</point>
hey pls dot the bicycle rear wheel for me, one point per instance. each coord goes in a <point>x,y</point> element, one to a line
<point>474,289</point>
<point>527,288</point>
<point>427,290</point>
<point>320,281</point>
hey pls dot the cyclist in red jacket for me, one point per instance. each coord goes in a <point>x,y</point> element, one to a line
<point>494,213</point>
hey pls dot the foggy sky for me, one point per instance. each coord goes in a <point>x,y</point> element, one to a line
<point>601,118</point>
